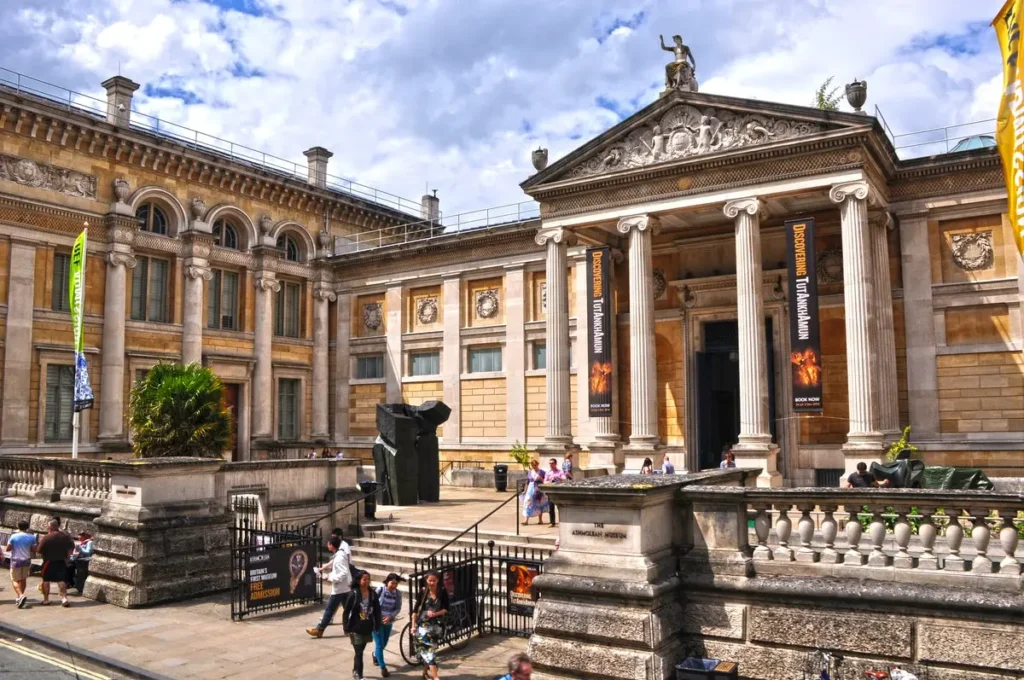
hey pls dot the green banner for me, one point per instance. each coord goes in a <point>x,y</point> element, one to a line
<point>76,293</point>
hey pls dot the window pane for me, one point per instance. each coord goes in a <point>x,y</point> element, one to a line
<point>279,312</point>
<point>60,387</point>
<point>540,355</point>
<point>60,298</point>
<point>157,290</point>
<point>229,301</point>
<point>291,310</point>
<point>159,225</point>
<point>369,367</point>
<point>425,363</point>
<point>213,301</point>
<point>139,279</point>
<point>485,360</point>
<point>142,216</point>
<point>287,409</point>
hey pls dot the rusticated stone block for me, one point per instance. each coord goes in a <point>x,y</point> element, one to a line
<point>875,634</point>
<point>967,644</point>
<point>624,625</point>
<point>718,619</point>
<point>556,656</point>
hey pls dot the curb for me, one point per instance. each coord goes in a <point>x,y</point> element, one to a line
<point>106,662</point>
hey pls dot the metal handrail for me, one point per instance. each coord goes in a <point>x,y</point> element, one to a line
<point>83,103</point>
<point>476,527</point>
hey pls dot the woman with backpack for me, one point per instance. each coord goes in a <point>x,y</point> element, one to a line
<point>362,618</point>
<point>426,623</point>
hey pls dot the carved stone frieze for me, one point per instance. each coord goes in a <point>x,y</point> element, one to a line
<point>426,309</point>
<point>685,131</point>
<point>972,252</point>
<point>487,303</point>
<point>830,266</point>
<point>373,316</point>
<point>42,176</point>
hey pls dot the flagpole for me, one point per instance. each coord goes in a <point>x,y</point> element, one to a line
<point>74,435</point>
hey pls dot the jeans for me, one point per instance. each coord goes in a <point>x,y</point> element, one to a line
<point>380,641</point>
<point>333,602</point>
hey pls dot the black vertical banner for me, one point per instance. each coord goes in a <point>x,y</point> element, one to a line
<point>600,322</point>
<point>805,359</point>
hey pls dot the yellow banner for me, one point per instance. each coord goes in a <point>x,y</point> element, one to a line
<point>1010,122</point>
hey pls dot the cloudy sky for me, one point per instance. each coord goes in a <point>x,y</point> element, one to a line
<point>454,93</point>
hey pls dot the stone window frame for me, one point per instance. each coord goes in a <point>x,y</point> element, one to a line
<point>355,380</point>
<point>291,373</point>
<point>483,375</point>
<point>62,357</point>
<point>239,300</point>
<point>170,286</point>
<point>300,320</point>
<point>65,273</point>
<point>426,377</point>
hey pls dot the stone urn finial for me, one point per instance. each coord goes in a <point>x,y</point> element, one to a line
<point>540,159</point>
<point>198,208</point>
<point>857,94</point>
<point>121,189</point>
<point>325,239</point>
<point>265,224</point>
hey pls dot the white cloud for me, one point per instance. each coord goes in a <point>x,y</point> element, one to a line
<point>457,93</point>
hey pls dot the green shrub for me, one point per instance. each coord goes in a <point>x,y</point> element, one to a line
<point>520,455</point>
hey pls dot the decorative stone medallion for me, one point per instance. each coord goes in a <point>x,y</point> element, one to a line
<point>830,266</point>
<point>487,303</point>
<point>972,252</point>
<point>426,310</point>
<point>373,316</point>
<point>43,176</point>
<point>660,284</point>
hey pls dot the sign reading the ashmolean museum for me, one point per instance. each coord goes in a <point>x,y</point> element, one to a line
<point>805,359</point>
<point>600,322</point>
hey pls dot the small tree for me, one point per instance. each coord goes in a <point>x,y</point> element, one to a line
<point>827,99</point>
<point>179,411</point>
<point>897,447</point>
<point>521,455</point>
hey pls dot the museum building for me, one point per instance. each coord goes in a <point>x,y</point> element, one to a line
<point>314,298</point>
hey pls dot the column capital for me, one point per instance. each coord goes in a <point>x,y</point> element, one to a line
<point>324,294</point>
<point>859,190</point>
<point>751,206</point>
<point>195,271</point>
<point>556,235</point>
<point>882,220</point>
<point>639,223</point>
<point>118,258</point>
<point>265,283</point>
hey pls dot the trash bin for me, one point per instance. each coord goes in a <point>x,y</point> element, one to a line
<point>500,477</point>
<point>696,668</point>
<point>370,502</point>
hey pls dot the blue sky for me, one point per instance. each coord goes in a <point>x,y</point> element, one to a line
<point>453,94</point>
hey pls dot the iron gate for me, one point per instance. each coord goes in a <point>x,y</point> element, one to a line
<point>272,566</point>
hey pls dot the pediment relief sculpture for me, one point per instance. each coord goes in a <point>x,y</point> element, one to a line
<point>686,131</point>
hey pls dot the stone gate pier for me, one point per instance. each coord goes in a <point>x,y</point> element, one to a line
<point>654,569</point>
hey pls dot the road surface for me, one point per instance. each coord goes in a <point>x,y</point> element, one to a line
<point>21,659</point>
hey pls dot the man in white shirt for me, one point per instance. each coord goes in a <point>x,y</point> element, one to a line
<point>337,573</point>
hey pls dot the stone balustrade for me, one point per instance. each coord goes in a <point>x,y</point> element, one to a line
<point>20,476</point>
<point>87,481</point>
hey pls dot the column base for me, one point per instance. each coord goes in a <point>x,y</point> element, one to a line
<point>605,453</point>
<point>637,450</point>
<point>758,452</point>
<point>556,446</point>
<point>862,447</point>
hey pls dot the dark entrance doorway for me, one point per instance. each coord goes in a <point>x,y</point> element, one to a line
<point>718,389</point>
<point>231,391</point>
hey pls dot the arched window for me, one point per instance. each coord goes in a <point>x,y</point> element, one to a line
<point>152,219</point>
<point>225,234</point>
<point>290,247</point>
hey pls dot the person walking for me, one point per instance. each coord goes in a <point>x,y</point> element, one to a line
<point>336,572</point>
<point>21,546</point>
<point>362,620</point>
<point>520,667</point>
<point>390,607</point>
<point>553,476</point>
<point>533,499</point>
<point>55,548</point>
<point>426,623</point>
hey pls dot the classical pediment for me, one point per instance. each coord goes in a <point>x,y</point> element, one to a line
<point>690,126</point>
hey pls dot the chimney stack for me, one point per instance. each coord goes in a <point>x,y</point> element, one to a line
<point>318,157</point>
<point>430,207</point>
<point>119,99</point>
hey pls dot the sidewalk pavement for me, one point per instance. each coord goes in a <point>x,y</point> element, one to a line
<point>198,639</point>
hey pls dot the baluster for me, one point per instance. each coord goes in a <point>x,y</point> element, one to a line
<point>926,532</point>
<point>1008,539</point>
<point>981,534</point>
<point>876,532</point>
<point>954,537</point>
<point>783,528</point>
<point>853,555</point>
<point>901,532</point>
<point>763,527</point>
<point>805,528</point>
<point>829,529</point>
<point>90,481</point>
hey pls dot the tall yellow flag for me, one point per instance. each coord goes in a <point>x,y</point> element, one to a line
<point>1010,122</point>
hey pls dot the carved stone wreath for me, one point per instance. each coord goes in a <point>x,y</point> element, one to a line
<point>972,252</point>
<point>660,284</point>
<point>373,316</point>
<point>830,266</point>
<point>426,310</point>
<point>487,303</point>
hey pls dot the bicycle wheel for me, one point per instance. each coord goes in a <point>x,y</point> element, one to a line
<point>407,646</point>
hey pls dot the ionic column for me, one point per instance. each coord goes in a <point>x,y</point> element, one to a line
<point>754,447</point>
<point>885,335</point>
<point>642,359</point>
<point>262,377</point>
<point>120,259</point>
<point>322,297</point>
<point>862,442</point>
<point>342,367</point>
<point>196,272</point>
<point>559,405</point>
<point>18,342</point>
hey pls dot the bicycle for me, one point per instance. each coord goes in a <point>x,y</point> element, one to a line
<point>458,620</point>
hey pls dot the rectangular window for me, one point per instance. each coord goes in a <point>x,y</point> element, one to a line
<point>60,390</point>
<point>370,367</point>
<point>425,363</point>
<point>540,355</point>
<point>287,408</point>
<point>60,299</point>
<point>149,289</point>
<point>140,375</point>
<point>222,301</point>
<point>484,360</point>
<point>287,310</point>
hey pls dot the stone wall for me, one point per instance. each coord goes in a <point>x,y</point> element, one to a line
<point>484,413</point>
<point>981,392</point>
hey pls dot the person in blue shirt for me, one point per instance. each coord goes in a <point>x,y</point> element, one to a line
<point>667,468</point>
<point>22,546</point>
<point>519,668</point>
<point>390,607</point>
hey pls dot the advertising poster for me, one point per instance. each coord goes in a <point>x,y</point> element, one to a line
<point>520,586</point>
<point>805,357</point>
<point>600,323</point>
<point>280,574</point>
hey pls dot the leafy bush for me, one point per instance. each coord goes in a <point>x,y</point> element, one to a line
<point>520,455</point>
<point>899,445</point>
<point>179,411</point>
